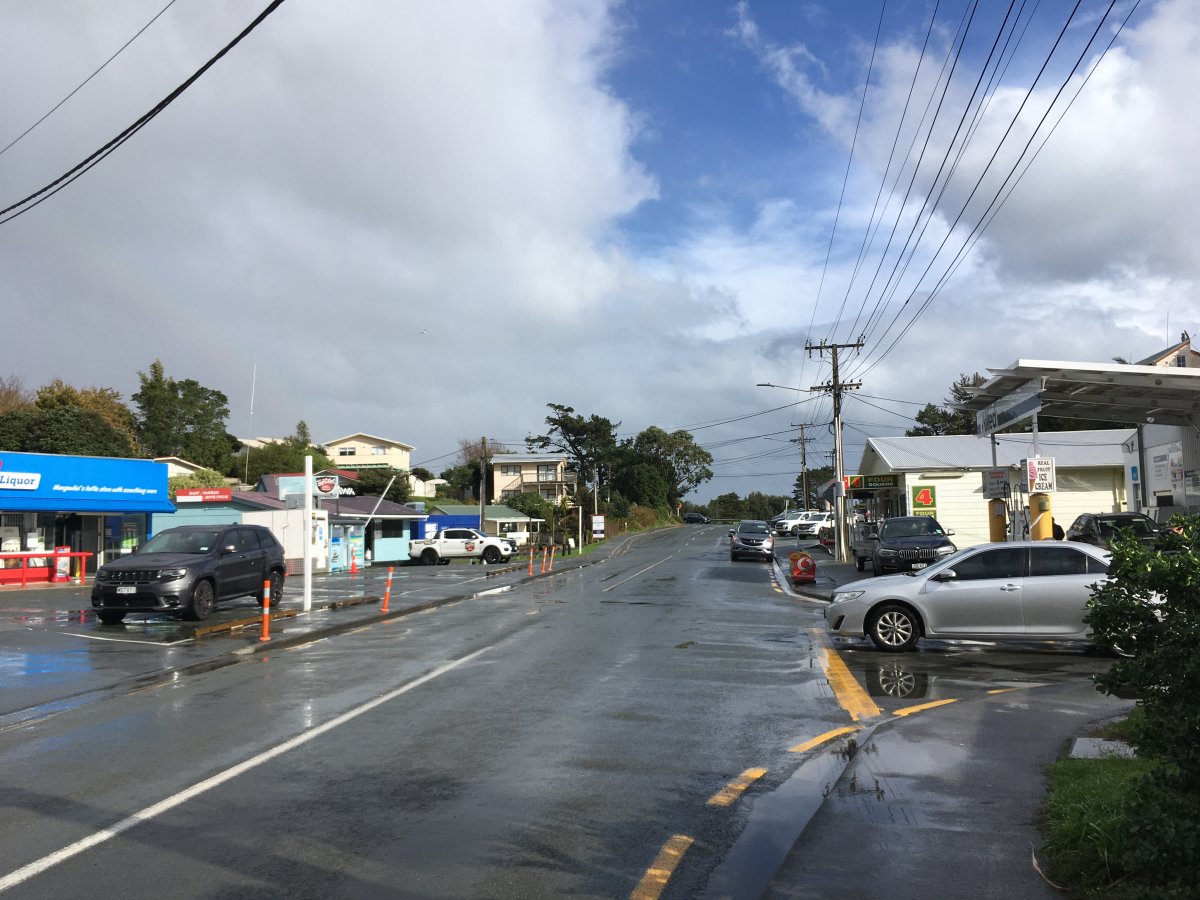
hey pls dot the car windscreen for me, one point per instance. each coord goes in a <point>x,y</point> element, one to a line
<point>755,528</point>
<point>181,542</point>
<point>910,528</point>
<point>1140,527</point>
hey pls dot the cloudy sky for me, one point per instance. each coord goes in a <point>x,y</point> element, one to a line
<point>427,221</point>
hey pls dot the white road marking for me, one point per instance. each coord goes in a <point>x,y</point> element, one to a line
<point>60,856</point>
<point>148,643</point>
<point>636,574</point>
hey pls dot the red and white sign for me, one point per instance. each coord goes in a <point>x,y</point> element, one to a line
<point>204,495</point>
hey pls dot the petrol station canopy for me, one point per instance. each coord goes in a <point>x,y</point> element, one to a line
<point>1107,392</point>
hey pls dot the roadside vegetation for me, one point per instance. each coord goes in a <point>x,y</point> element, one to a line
<point>1130,828</point>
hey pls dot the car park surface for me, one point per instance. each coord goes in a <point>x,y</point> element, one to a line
<point>1020,590</point>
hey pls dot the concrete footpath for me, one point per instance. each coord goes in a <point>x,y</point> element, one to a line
<point>941,804</point>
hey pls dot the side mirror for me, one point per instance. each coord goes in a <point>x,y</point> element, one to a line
<point>227,549</point>
<point>945,575</point>
<point>949,531</point>
<point>873,534</point>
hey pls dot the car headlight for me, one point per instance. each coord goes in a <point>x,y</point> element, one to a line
<point>846,596</point>
<point>885,552</point>
<point>171,574</point>
<point>947,550</point>
<point>102,574</point>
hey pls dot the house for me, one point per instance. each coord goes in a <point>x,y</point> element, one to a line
<point>943,476</point>
<point>177,465</point>
<point>367,451</point>
<point>544,474</point>
<point>1179,356</point>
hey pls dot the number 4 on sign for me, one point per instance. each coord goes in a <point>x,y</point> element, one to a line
<point>923,497</point>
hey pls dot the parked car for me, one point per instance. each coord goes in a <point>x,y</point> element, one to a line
<point>812,523</point>
<point>786,523</point>
<point>1100,528</point>
<point>751,537</point>
<point>186,570</point>
<point>1017,590</point>
<point>695,518</point>
<point>900,544</point>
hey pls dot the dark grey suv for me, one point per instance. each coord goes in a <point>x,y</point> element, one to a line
<point>186,570</point>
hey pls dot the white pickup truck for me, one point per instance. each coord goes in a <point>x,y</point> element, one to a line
<point>461,543</point>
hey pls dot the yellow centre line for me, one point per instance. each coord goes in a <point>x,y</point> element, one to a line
<point>822,739</point>
<point>660,871</point>
<point>728,794</point>
<point>849,693</point>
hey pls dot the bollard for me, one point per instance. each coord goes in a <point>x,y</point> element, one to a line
<point>544,552</point>
<point>387,591</point>
<point>266,606</point>
<point>552,549</point>
<point>531,559</point>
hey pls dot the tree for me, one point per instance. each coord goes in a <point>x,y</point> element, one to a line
<point>461,481</point>
<point>205,478</point>
<point>182,418</point>
<point>935,420</point>
<point>105,402</point>
<point>590,443</point>
<point>816,478</point>
<point>374,481</point>
<point>14,395</point>
<point>15,426</point>
<point>283,456</point>
<point>76,431</point>
<point>682,464</point>
<point>423,474</point>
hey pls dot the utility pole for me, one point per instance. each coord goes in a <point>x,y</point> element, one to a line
<point>836,386</point>
<point>482,483</point>
<point>803,442</point>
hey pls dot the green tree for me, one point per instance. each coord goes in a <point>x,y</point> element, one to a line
<point>205,478</point>
<point>646,485</point>
<point>105,402</point>
<point>182,418</point>
<point>15,426</point>
<point>683,464</point>
<point>936,420</point>
<point>532,505</point>
<point>461,481</point>
<point>422,473</point>
<point>372,483</point>
<point>1149,609</point>
<point>816,478</point>
<point>76,431</point>
<point>279,458</point>
<point>589,443</point>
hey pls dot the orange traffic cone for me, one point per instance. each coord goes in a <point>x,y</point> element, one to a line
<point>353,563</point>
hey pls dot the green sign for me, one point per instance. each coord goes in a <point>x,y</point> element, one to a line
<point>922,499</point>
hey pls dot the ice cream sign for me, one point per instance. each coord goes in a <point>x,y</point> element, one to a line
<point>19,481</point>
<point>1039,475</point>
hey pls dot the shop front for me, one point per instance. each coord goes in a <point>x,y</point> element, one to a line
<point>88,505</point>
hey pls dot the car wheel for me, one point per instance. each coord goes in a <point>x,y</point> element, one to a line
<point>276,580</point>
<point>201,605</point>
<point>110,616</point>
<point>429,557</point>
<point>860,563</point>
<point>491,555</point>
<point>894,628</point>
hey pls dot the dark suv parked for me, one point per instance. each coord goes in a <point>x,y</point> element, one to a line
<point>186,570</point>
<point>901,544</point>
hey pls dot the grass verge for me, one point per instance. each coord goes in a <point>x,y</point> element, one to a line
<point>1085,821</point>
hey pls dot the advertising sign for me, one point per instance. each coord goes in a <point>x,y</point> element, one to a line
<point>204,495</point>
<point>923,499</point>
<point>55,483</point>
<point>870,482</point>
<point>598,527</point>
<point>1022,403</point>
<point>324,486</point>
<point>995,484</point>
<point>1038,475</point>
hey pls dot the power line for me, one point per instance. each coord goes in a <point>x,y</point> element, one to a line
<point>81,84</point>
<point>45,193</point>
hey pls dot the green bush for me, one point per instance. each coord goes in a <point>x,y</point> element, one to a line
<point>1149,610</point>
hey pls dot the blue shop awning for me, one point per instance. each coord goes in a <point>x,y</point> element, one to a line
<point>44,482</point>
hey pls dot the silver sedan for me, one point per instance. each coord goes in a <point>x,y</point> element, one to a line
<point>1019,590</point>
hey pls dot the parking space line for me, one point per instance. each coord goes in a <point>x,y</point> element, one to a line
<point>728,794</point>
<point>850,695</point>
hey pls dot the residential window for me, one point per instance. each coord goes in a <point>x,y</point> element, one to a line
<point>510,470</point>
<point>549,494</point>
<point>346,451</point>
<point>378,451</point>
<point>547,472</point>
<point>508,493</point>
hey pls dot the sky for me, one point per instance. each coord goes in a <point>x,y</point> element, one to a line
<point>427,221</point>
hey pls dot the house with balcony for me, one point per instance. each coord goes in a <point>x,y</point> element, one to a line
<point>544,474</point>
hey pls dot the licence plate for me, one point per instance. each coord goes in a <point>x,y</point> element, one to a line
<point>126,589</point>
<point>919,565</point>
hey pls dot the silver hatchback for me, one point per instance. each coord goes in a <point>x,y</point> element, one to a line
<point>1019,590</point>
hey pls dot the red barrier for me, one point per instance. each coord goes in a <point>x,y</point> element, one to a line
<point>266,606</point>
<point>48,573</point>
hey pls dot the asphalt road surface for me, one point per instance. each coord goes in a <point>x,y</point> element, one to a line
<point>655,724</point>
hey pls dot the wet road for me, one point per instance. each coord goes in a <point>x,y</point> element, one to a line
<point>563,737</point>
